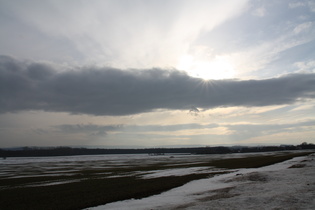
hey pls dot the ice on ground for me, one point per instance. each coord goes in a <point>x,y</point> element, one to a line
<point>175,172</point>
<point>277,186</point>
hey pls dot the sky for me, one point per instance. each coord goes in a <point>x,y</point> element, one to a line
<point>156,73</point>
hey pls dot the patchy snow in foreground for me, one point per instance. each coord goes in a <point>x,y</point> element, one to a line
<point>279,186</point>
<point>175,172</point>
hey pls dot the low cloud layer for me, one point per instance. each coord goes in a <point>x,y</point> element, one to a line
<point>108,91</point>
<point>238,131</point>
<point>91,129</point>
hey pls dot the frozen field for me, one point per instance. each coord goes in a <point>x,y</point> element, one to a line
<point>285,185</point>
<point>208,184</point>
<point>18,167</point>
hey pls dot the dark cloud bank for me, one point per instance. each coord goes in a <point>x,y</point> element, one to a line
<point>108,91</point>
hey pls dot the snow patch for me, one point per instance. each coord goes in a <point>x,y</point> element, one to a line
<point>272,187</point>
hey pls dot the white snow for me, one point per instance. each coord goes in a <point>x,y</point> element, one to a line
<point>175,172</point>
<point>273,187</point>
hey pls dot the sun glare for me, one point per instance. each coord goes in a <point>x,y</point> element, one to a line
<point>218,68</point>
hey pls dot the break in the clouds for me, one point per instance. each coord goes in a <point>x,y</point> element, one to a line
<point>108,91</point>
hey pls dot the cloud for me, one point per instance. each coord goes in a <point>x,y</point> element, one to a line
<point>310,4</point>
<point>192,131</point>
<point>109,91</point>
<point>260,12</point>
<point>244,131</point>
<point>307,66</point>
<point>167,128</point>
<point>302,27</point>
<point>91,129</point>
<point>194,111</point>
<point>303,107</point>
<point>117,33</point>
<point>296,4</point>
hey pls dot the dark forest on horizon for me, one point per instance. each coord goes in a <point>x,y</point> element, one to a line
<point>70,151</point>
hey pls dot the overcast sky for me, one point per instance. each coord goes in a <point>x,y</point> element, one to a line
<point>151,73</point>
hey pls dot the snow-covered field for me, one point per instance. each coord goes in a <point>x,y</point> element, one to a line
<point>278,186</point>
<point>286,185</point>
<point>67,165</point>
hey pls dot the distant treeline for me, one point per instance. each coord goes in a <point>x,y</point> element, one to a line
<point>69,151</point>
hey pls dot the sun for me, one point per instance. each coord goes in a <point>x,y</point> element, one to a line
<point>218,68</point>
